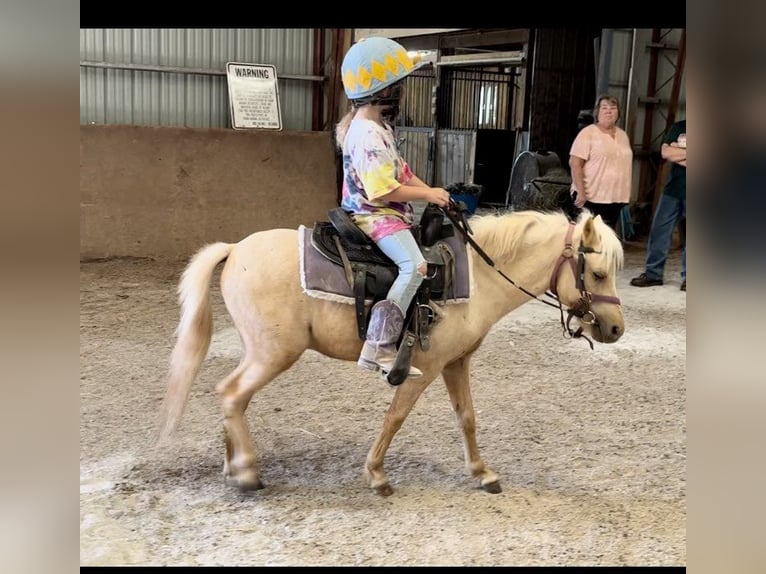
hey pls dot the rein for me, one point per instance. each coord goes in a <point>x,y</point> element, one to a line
<point>580,309</point>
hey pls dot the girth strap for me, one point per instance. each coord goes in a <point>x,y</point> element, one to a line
<point>360,278</point>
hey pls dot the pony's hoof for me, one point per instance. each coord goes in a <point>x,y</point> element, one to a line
<point>245,484</point>
<point>492,487</point>
<point>384,490</point>
<point>249,486</point>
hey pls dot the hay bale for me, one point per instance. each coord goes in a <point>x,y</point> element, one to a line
<point>548,192</point>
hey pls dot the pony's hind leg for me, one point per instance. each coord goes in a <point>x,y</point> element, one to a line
<point>456,378</point>
<point>240,466</point>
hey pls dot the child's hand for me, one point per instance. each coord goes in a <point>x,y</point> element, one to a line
<point>439,196</point>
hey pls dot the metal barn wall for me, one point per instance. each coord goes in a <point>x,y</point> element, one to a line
<point>666,66</point>
<point>115,96</point>
<point>552,60</point>
<point>562,83</point>
<point>629,80</point>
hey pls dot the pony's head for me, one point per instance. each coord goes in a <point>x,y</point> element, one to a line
<point>589,290</point>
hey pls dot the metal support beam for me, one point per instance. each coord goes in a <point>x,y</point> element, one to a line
<point>182,70</point>
<point>631,101</point>
<point>646,141</point>
<point>490,38</point>
<point>515,58</point>
<point>317,91</point>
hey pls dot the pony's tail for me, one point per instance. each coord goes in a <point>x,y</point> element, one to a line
<point>192,335</point>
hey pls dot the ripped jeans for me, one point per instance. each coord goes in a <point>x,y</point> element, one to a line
<point>403,250</point>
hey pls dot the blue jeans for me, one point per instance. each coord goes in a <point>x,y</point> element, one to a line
<point>669,211</point>
<point>403,250</point>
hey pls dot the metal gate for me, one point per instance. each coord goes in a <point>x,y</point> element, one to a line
<point>468,100</point>
<point>456,154</point>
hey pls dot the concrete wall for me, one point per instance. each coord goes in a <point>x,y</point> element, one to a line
<point>164,192</point>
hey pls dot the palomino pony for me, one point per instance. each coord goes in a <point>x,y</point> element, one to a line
<point>277,322</point>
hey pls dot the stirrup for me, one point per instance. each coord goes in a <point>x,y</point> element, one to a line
<point>375,368</point>
<point>414,373</point>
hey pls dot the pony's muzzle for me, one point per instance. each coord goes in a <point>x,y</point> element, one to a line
<point>605,332</point>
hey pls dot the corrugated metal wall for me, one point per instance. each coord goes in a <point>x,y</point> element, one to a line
<point>112,96</point>
<point>562,82</point>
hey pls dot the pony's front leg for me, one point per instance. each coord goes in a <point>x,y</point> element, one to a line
<point>456,378</point>
<point>404,399</point>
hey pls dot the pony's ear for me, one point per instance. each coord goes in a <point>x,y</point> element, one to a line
<point>589,234</point>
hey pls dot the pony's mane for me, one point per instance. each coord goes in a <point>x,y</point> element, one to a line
<point>610,243</point>
<point>502,234</point>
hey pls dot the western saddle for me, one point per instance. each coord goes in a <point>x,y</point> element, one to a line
<point>370,273</point>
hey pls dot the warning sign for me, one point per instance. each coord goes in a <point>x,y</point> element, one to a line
<point>253,96</point>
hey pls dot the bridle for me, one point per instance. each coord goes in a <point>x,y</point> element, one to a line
<point>581,308</point>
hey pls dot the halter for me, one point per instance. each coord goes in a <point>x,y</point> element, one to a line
<point>581,308</point>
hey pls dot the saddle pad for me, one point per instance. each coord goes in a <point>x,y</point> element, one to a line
<point>323,279</point>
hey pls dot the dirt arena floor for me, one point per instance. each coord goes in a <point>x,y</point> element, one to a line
<point>590,445</point>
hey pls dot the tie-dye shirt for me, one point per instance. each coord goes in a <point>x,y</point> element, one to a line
<point>372,167</point>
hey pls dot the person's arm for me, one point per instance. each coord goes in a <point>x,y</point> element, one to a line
<point>577,164</point>
<point>377,171</point>
<point>671,152</point>
<point>410,192</point>
<point>417,182</point>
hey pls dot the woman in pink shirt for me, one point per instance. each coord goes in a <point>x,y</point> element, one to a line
<point>601,159</point>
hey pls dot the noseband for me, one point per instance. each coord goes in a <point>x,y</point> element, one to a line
<point>581,308</point>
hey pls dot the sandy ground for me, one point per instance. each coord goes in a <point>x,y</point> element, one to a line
<point>590,446</point>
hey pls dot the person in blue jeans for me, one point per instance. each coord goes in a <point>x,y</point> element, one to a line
<point>670,209</point>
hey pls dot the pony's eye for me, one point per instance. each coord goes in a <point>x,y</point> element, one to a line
<point>599,276</point>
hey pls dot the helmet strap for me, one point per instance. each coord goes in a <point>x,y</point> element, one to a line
<point>390,97</point>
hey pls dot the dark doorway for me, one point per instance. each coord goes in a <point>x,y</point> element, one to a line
<point>495,150</point>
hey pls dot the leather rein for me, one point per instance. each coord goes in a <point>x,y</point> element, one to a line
<point>581,309</point>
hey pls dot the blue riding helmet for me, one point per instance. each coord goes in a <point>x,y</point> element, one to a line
<point>373,64</point>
